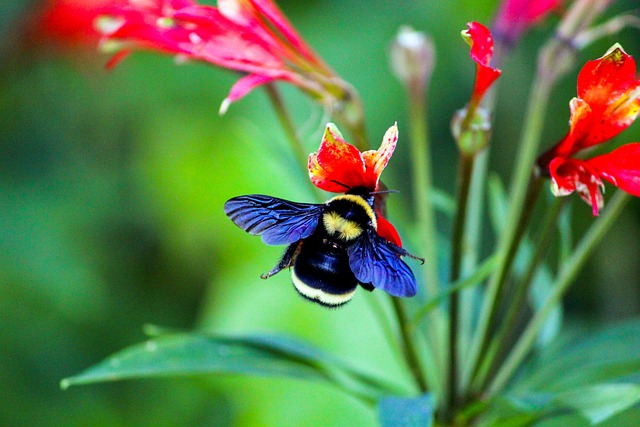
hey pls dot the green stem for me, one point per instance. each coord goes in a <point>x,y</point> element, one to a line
<point>475,214</point>
<point>408,347</point>
<point>566,277</point>
<point>475,209</point>
<point>287,124</point>
<point>465,166</point>
<point>481,273</point>
<point>517,301</point>
<point>422,188</point>
<point>425,223</point>
<point>519,218</point>
<point>347,110</point>
<point>469,297</point>
<point>508,241</point>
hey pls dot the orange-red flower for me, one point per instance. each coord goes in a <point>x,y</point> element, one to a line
<point>621,168</point>
<point>607,103</point>
<point>339,167</point>
<point>249,36</point>
<point>481,42</point>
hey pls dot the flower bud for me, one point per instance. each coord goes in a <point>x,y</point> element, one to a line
<point>412,55</point>
<point>471,134</point>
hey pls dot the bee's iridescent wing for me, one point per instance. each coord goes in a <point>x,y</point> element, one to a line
<point>278,221</point>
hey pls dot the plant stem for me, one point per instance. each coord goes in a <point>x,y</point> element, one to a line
<point>408,347</point>
<point>555,59</point>
<point>422,187</point>
<point>509,322</point>
<point>480,274</point>
<point>566,277</point>
<point>426,229</point>
<point>508,249</point>
<point>287,123</point>
<point>465,168</point>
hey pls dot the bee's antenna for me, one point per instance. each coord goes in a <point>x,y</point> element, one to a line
<point>341,184</point>
<point>373,193</point>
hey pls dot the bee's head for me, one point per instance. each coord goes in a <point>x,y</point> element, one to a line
<point>361,191</point>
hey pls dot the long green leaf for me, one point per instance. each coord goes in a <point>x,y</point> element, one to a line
<point>609,355</point>
<point>597,403</point>
<point>193,354</point>
<point>602,401</point>
<point>515,410</point>
<point>406,412</point>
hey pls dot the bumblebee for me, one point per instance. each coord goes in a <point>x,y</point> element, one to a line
<point>333,246</point>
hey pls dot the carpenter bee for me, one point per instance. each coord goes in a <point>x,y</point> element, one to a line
<point>333,246</point>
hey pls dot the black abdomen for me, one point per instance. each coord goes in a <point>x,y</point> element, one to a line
<point>321,273</point>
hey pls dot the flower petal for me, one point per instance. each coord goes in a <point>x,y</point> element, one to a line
<point>621,167</point>
<point>337,166</point>
<point>479,37</point>
<point>266,20</point>
<point>569,175</point>
<point>609,86</point>
<point>376,160</point>
<point>608,102</point>
<point>388,231</point>
<point>239,41</point>
<point>580,125</point>
<point>66,23</point>
<point>242,87</point>
<point>516,16</point>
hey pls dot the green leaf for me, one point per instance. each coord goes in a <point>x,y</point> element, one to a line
<point>599,402</point>
<point>517,410</point>
<point>406,411</point>
<point>193,354</point>
<point>610,354</point>
<point>443,202</point>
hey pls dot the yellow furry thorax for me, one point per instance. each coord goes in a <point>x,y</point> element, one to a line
<point>336,225</point>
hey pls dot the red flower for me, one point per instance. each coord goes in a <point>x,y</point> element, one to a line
<point>249,36</point>
<point>607,103</point>
<point>338,167</point>
<point>621,168</point>
<point>481,42</point>
<point>517,16</point>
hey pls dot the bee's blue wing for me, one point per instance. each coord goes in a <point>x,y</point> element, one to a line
<point>376,261</point>
<point>278,221</point>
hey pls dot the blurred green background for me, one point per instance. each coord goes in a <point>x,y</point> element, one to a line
<point>111,193</point>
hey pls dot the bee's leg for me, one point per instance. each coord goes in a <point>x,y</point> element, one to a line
<point>403,252</point>
<point>287,260</point>
<point>410,255</point>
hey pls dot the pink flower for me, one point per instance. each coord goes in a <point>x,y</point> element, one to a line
<point>67,23</point>
<point>608,102</point>
<point>516,16</point>
<point>249,36</point>
<point>481,42</point>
